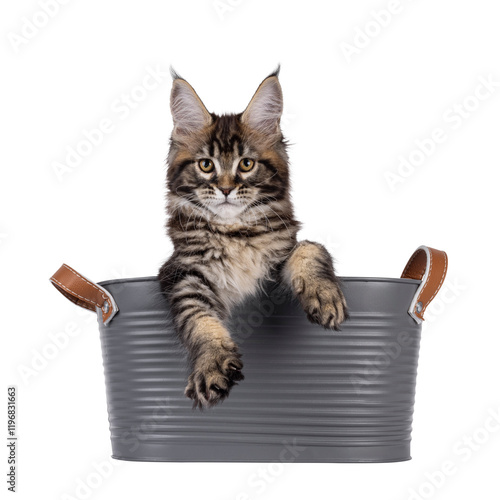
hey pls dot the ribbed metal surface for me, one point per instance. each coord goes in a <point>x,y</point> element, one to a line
<point>309,395</point>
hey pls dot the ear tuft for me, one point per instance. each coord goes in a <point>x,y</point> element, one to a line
<point>174,74</point>
<point>276,72</point>
<point>266,107</point>
<point>188,111</point>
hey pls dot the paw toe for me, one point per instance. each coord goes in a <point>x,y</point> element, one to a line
<point>214,374</point>
<point>326,306</point>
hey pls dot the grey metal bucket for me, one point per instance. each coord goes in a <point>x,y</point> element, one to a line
<point>309,395</point>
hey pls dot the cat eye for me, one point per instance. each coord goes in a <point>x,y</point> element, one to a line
<point>246,164</point>
<point>206,165</point>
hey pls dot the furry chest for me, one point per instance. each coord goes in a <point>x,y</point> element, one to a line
<point>239,266</point>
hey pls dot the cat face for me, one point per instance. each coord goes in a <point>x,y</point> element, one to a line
<point>227,166</point>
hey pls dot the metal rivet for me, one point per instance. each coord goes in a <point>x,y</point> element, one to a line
<point>419,307</point>
<point>105,307</point>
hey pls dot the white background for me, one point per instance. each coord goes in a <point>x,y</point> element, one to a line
<point>349,119</point>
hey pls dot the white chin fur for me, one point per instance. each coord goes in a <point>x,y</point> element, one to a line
<point>227,211</point>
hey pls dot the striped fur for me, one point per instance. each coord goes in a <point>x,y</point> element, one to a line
<point>232,230</point>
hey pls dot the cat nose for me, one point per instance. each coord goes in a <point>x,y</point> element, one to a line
<point>226,190</point>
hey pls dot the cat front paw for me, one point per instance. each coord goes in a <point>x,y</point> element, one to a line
<point>323,302</point>
<point>214,373</point>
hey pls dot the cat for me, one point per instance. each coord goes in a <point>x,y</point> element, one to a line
<point>232,224</point>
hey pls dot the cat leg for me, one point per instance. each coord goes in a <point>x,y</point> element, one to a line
<point>215,361</point>
<point>309,273</point>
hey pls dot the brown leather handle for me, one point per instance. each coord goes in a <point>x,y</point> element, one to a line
<point>430,266</point>
<point>84,293</point>
<point>426,264</point>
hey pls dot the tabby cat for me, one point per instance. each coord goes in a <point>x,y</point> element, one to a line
<point>232,225</point>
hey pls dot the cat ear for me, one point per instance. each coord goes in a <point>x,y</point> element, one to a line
<point>264,111</point>
<point>188,112</point>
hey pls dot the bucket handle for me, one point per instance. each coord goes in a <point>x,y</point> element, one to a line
<point>426,264</point>
<point>430,266</point>
<point>84,293</point>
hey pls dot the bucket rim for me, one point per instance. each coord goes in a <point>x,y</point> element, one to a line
<point>343,279</point>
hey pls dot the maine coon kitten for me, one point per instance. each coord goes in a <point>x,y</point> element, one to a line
<point>232,226</point>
